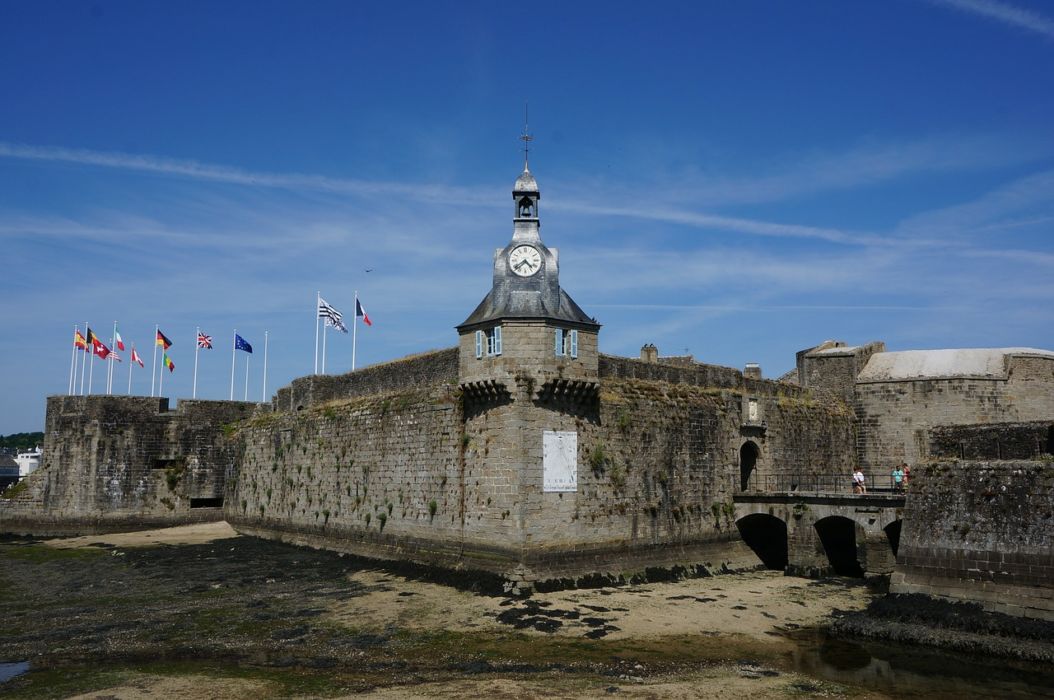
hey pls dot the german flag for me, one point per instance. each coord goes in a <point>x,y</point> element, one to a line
<point>163,341</point>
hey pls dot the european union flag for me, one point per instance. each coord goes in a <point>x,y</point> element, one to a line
<point>240,344</point>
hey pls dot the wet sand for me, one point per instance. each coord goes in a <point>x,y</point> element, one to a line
<point>199,611</point>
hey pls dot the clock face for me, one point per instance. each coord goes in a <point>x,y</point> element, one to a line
<point>525,260</point>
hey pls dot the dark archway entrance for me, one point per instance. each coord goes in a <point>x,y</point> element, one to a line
<point>893,535</point>
<point>838,536</point>
<point>767,536</point>
<point>748,459</point>
<point>1050,440</point>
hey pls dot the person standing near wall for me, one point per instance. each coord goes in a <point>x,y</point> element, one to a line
<point>907,473</point>
<point>859,485</point>
<point>898,478</point>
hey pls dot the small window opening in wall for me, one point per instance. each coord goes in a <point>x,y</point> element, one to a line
<point>494,341</point>
<point>566,343</point>
<point>488,343</point>
<point>206,502</point>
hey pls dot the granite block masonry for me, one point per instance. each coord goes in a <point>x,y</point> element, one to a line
<point>115,463</point>
<point>981,531</point>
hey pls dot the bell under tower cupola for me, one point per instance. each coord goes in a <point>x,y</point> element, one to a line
<point>525,196</point>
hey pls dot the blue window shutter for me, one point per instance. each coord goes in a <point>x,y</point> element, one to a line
<point>559,342</point>
<point>497,340</point>
<point>479,344</point>
<point>574,344</point>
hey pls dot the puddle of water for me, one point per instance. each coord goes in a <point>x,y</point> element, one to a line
<point>919,672</point>
<point>10,670</point>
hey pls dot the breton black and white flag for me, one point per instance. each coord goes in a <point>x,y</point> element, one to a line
<point>331,315</point>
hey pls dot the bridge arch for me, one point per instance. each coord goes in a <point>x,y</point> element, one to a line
<point>767,536</point>
<point>841,543</point>
<point>893,535</point>
<point>748,460</point>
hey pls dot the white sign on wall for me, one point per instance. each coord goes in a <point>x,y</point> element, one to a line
<point>559,461</point>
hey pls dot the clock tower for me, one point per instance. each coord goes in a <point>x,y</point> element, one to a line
<point>528,374</point>
<point>527,325</point>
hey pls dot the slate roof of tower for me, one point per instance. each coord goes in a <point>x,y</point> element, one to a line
<point>503,303</point>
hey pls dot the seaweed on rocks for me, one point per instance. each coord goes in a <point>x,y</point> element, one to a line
<point>962,626</point>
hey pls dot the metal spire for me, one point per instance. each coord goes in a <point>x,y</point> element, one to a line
<point>526,138</point>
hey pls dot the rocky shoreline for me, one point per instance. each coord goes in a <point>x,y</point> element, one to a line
<point>957,626</point>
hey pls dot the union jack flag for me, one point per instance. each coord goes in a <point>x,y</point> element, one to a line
<point>204,341</point>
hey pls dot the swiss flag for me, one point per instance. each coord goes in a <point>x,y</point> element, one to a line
<point>101,350</point>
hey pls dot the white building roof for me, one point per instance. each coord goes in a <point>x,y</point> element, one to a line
<point>935,364</point>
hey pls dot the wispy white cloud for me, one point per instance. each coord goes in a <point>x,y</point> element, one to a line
<point>679,204</point>
<point>791,176</point>
<point>238,176</point>
<point>1031,196</point>
<point>1006,13</point>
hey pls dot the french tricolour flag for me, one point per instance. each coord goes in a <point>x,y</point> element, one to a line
<point>359,311</point>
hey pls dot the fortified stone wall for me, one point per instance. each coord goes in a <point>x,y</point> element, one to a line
<point>425,369</point>
<point>981,531</point>
<point>430,475</point>
<point>378,476</point>
<point>987,441</point>
<point>834,367</point>
<point>895,416</point>
<point>113,463</point>
<point>658,464</point>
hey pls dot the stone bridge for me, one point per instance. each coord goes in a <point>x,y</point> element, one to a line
<point>817,534</point>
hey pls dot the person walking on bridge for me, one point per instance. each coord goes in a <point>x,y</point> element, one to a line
<point>859,482</point>
<point>898,478</point>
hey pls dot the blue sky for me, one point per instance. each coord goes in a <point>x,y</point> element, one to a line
<point>735,180</point>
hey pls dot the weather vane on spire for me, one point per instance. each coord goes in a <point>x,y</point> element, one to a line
<point>526,138</point>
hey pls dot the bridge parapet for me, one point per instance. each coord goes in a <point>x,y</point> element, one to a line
<point>819,483</point>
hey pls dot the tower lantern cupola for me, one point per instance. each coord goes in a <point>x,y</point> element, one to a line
<point>526,195</point>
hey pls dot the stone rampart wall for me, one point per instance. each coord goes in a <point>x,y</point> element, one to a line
<point>981,531</point>
<point>992,441</point>
<point>428,475</point>
<point>426,369</point>
<point>895,417</point>
<point>376,475</point>
<point>117,462</point>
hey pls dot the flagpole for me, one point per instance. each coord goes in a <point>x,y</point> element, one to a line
<point>234,348</point>
<point>130,363</point>
<point>324,348</point>
<point>246,385</point>
<point>263,394</point>
<point>73,358</point>
<point>109,368</point>
<point>354,330</point>
<point>153,362</point>
<point>91,368</point>
<point>318,303</point>
<point>82,360</point>
<point>194,392</point>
